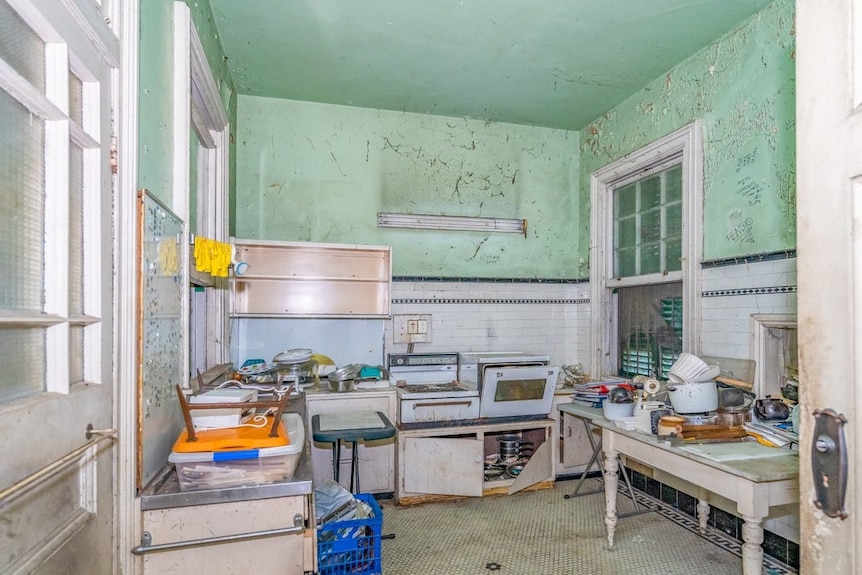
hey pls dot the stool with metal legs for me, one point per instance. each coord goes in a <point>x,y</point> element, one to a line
<point>351,427</point>
<point>595,458</point>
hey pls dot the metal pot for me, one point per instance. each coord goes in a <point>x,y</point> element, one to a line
<point>340,385</point>
<point>733,415</point>
<point>770,409</point>
<point>693,396</point>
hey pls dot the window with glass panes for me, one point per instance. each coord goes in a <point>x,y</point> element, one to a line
<point>648,224</point>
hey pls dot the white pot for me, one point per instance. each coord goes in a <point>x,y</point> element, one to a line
<point>693,396</point>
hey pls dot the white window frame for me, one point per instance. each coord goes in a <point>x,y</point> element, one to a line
<point>198,105</point>
<point>686,143</point>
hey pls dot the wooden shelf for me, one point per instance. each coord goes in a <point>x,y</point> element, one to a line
<point>296,279</point>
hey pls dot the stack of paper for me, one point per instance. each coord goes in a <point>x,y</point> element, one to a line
<point>593,393</point>
<point>777,434</point>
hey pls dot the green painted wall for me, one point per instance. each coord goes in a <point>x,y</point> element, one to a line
<point>743,86</point>
<point>320,173</point>
<point>155,124</point>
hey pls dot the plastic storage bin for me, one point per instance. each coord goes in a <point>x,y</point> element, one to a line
<point>351,546</point>
<point>241,467</point>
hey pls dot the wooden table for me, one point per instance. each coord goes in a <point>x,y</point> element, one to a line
<point>754,483</point>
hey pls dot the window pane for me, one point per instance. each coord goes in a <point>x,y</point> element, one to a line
<point>673,256</point>
<point>76,230</point>
<point>673,217</point>
<point>626,263</point>
<point>21,47</point>
<point>651,192</point>
<point>22,198</point>
<point>673,184</point>
<point>626,233</point>
<point>76,99</point>
<point>625,201</point>
<point>650,258</point>
<point>21,347</point>
<point>650,328</point>
<point>651,226</point>
<point>76,354</point>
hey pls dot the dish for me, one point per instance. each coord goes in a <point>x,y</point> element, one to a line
<point>297,355</point>
<point>255,368</point>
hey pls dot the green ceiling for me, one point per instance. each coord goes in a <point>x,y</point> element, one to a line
<point>557,64</point>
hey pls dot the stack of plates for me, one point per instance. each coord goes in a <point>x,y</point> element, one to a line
<point>689,367</point>
<point>298,355</point>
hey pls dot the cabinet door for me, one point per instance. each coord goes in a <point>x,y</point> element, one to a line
<point>443,466</point>
<point>282,554</point>
<point>576,443</point>
<point>537,469</point>
<point>376,459</point>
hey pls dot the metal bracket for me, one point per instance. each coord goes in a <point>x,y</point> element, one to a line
<point>829,462</point>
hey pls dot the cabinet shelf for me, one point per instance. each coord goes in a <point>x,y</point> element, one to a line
<point>297,279</point>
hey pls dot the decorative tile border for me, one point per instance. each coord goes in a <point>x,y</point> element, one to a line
<point>749,291</point>
<point>751,259</point>
<point>489,280</point>
<point>480,301</point>
<point>771,565</point>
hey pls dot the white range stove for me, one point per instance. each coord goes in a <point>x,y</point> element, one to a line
<point>429,390</point>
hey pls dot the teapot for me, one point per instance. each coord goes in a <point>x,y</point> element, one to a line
<point>771,409</point>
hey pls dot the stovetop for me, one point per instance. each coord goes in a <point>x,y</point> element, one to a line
<point>432,390</point>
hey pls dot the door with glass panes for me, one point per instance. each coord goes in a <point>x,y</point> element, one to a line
<point>56,376</point>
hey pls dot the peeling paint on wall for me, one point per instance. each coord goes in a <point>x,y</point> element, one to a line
<point>743,87</point>
<point>321,173</point>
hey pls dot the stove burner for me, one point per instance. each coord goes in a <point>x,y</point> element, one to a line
<point>436,387</point>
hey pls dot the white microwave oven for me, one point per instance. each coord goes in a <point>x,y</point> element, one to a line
<point>510,384</point>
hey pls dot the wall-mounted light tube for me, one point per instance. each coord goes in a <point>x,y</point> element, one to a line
<point>456,223</point>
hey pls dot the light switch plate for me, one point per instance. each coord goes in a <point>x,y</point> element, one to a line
<point>412,328</point>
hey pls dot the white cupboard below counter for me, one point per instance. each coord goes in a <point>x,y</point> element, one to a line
<point>376,459</point>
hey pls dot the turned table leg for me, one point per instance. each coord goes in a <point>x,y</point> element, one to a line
<point>612,465</point>
<point>702,510</point>
<point>752,552</point>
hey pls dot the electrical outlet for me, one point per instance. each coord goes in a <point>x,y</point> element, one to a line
<point>411,328</point>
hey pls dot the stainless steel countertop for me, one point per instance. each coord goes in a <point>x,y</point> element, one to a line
<point>163,491</point>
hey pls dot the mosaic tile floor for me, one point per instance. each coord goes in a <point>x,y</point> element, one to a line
<point>541,533</point>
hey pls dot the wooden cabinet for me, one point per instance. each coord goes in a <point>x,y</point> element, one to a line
<point>445,462</point>
<point>298,279</point>
<point>572,449</point>
<point>376,459</point>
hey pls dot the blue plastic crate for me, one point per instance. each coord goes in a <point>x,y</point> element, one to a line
<point>351,546</point>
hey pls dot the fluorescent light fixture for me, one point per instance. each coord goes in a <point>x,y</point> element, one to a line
<point>456,223</point>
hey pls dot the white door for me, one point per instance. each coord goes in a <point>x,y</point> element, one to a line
<point>829,230</point>
<point>56,304</point>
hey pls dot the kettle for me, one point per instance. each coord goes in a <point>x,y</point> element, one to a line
<point>771,409</point>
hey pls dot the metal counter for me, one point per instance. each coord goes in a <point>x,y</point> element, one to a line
<point>164,490</point>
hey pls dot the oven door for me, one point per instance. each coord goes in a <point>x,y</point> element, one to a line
<point>517,390</point>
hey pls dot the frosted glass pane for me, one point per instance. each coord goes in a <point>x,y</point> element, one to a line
<point>673,225</point>
<point>673,184</point>
<point>21,347</point>
<point>651,226</point>
<point>650,258</point>
<point>627,233</point>
<point>21,47</point>
<point>673,251</point>
<point>76,354</point>
<point>626,263</point>
<point>76,99</point>
<point>22,198</point>
<point>625,201</point>
<point>76,229</point>
<point>651,192</point>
